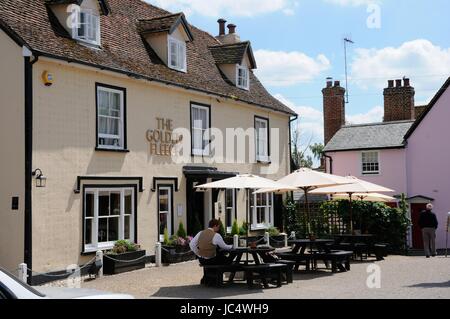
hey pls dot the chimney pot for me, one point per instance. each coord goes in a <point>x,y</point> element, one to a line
<point>337,83</point>
<point>231,28</point>
<point>398,83</point>
<point>406,82</point>
<point>222,26</point>
<point>391,83</point>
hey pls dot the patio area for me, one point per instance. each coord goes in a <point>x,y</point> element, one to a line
<point>401,277</point>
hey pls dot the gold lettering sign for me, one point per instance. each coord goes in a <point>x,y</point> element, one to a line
<point>162,140</point>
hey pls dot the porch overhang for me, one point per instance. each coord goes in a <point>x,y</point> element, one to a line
<point>206,172</point>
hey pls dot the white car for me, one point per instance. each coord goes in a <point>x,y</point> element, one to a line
<point>12,288</point>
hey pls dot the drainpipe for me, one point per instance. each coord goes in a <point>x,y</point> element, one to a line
<point>290,141</point>
<point>27,54</point>
<point>331,163</point>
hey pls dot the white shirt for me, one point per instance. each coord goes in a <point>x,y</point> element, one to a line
<point>217,240</point>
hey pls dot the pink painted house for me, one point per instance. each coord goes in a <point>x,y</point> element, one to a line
<point>406,152</point>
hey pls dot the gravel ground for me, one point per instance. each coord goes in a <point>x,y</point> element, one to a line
<point>401,277</point>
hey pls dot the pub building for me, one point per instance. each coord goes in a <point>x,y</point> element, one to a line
<point>90,117</point>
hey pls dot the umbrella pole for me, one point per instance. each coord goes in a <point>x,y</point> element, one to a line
<point>351,213</point>
<point>305,190</point>
<point>247,217</point>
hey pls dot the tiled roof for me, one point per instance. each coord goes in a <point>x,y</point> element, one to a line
<point>164,24</point>
<point>369,136</point>
<point>123,50</point>
<point>233,53</point>
<point>103,4</point>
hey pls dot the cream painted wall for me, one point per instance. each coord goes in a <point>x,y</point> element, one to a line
<point>12,138</point>
<point>65,138</point>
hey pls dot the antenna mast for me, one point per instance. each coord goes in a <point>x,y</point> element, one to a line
<point>346,40</point>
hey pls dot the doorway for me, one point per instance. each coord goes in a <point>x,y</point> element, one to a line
<point>417,241</point>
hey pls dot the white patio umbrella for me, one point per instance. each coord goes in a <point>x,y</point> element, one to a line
<point>356,186</point>
<point>306,179</point>
<point>366,197</point>
<point>247,182</point>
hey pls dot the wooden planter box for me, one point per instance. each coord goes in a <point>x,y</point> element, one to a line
<point>117,266</point>
<point>176,254</point>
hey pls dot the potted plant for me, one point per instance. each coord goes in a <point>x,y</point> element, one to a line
<point>275,238</point>
<point>124,256</point>
<point>176,248</point>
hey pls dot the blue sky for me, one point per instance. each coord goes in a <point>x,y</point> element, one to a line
<point>298,43</point>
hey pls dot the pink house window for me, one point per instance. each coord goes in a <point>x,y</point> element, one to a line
<point>370,163</point>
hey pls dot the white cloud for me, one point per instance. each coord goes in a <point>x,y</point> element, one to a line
<point>353,3</point>
<point>374,115</point>
<point>310,122</point>
<point>223,8</point>
<point>279,68</point>
<point>427,65</point>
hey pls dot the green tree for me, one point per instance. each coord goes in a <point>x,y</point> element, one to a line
<point>317,150</point>
<point>222,229</point>
<point>298,157</point>
<point>181,231</point>
<point>235,228</point>
<point>166,239</point>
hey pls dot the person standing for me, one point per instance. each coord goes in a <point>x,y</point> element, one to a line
<point>428,223</point>
<point>209,246</point>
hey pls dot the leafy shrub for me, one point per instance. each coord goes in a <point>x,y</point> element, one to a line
<point>221,229</point>
<point>243,229</point>
<point>166,239</point>
<point>273,231</point>
<point>123,246</point>
<point>181,231</point>
<point>388,224</point>
<point>235,228</point>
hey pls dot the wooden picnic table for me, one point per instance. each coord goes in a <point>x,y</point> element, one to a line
<point>257,254</point>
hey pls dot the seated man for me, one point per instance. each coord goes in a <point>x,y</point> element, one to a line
<point>206,246</point>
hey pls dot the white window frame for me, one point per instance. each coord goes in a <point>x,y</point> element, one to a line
<point>365,172</point>
<point>121,135</point>
<point>268,218</point>
<point>230,210</point>
<point>262,157</point>
<point>197,151</point>
<point>180,54</point>
<point>95,245</point>
<point>242,82</point>
<point>93,25</point>
<point>169,212</point>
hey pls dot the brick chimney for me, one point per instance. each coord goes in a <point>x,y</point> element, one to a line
<point>231,37</point>
<point>333,109</point>
<point>399,101</point>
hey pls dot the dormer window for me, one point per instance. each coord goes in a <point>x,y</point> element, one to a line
<point>235,60</point>
<point>168,37</point>
<point>177,54</point>
<point>243,77</point>
<point>86,26</point>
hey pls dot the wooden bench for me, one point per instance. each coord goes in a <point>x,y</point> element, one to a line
<point>339,259</point>
<point>264,272</point>
<point>299,259</point>
<point>213,274</point>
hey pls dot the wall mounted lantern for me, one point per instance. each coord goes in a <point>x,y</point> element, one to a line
<point>41,180</point>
